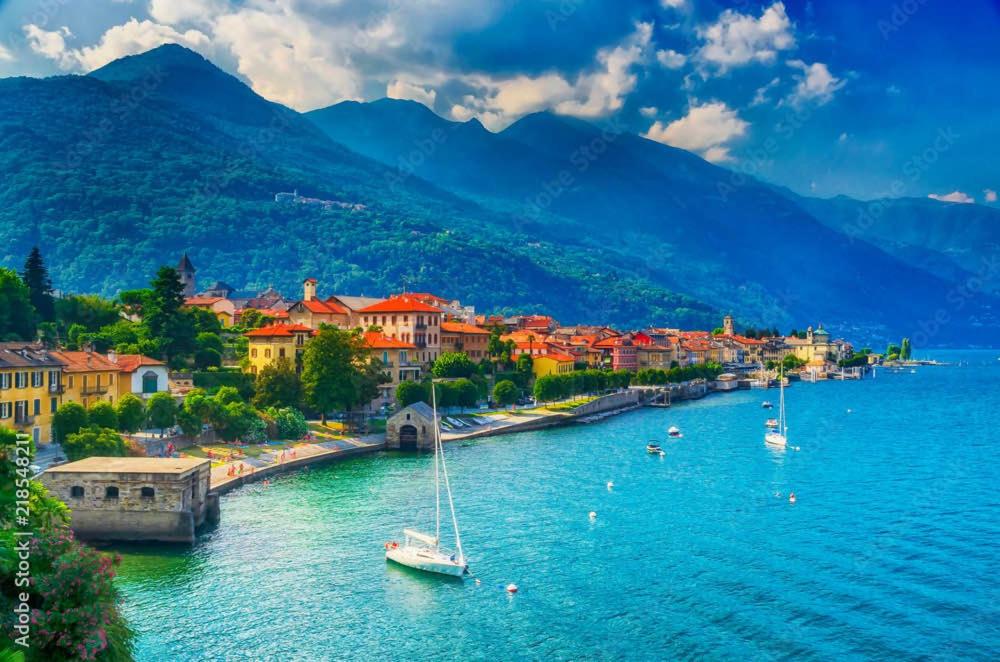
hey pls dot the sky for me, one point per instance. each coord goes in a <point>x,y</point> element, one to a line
<point>866,98</point>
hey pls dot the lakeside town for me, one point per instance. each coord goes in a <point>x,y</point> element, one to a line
<point>126,420</point>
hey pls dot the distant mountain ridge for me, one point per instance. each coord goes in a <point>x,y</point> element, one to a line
<point>551,215</point>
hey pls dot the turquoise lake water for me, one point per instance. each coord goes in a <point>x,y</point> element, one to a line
<point>891,550</point>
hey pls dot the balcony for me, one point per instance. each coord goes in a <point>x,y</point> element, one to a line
<point>56,389</point>
<point>420,325</point>
<point>420,344</point>
<point>23,419</point>
<point>94,390</point>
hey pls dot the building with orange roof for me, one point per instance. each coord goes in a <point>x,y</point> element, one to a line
<point>396,357</point>
<point>223,309</point>
<point>276,341</point>
<point>552,363</point>
<point>407,319</point>
<point>464,337</point>
<point>656,356</point>
<point>618,353</point>
<point>313,312</point>
<point>538,323</point>
<point>140,375</point>
<point>88,377</point>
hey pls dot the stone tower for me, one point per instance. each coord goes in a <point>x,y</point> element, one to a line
<point>186,271</point>
<point>309,289</point>
<point>727,325</point>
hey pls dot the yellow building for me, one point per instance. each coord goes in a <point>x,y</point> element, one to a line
<point>397,359</point>
<point>552,363</point>
<point>30,386</point>
<point>223,309</point>
<point>270,343</point>
<point>88,377</point>
<point>816,345</point>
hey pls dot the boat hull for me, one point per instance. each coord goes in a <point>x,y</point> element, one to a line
<point>776,440</point>
<point>427,561</point>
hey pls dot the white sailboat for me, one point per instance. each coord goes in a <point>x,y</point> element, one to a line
<point>423,551</point>
<point>778,437</point>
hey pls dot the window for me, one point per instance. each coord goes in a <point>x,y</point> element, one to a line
<point>4,380</point>
<point>253,352</point>
<point>111,380</point>
<point>37,379</point>
<point>71,381</point>
<point>385,358</point>
<point>281,352</point>
<point>5,410</point>
<point>147,493</point>
<point>300,339</point>
<point>53,405</point>
<point>21,380</point>
<point>76,492</point>
<point>394,320</point>
<point>38,407</point>
<point>150,382</point>
<point>267,353</point>
<point>111,492</point>
<point>53,377</point>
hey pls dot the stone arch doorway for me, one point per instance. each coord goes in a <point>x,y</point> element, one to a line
<point>408,438</point>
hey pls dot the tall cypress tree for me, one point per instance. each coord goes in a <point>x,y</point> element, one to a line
<point>164,318</point>
<point>36,277</point>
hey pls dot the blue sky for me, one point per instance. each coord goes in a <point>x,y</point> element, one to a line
<point>865,98</point>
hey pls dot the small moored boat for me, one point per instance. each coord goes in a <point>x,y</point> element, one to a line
<point>674,432</point>
<point>771,423</point>
<point>777,434</point>
<point>766,405</point>
<point>653,448</point>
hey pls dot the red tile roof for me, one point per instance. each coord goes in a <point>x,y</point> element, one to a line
<point>324,307</point>
<point>132,362</point>
<point>462,327</point>
<point>558,356</point>
<point>427,297</point>
<point>377,340</point>
<point>201,301</point>
<point>310,280</point>
<point>400,304</point>
<point>278,330</point>
<point>84,361</point>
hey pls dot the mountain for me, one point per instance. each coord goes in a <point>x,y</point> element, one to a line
<point>695,227</point>
<point>116,173</point>
<point>955,241</point>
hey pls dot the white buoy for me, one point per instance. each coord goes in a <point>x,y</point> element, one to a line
<point>611,484</point>
<point>512,588</point>
<point>791,498</point>
<point>478,582</point>
<point>593,515</point>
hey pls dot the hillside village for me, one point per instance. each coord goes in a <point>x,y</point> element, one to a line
<point>406,333</point>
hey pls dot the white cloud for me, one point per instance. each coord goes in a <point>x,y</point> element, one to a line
<point>5,55</point>
<point>403,89</point>
<point>172,12</point>
<point>737,39</point>
<point>705,129</point>
<point>131,37</point>
<point>672,4</point>
<point>893,90</point>
<point>499,102</point>
<point>670,58</point>
<point>815,84</point>
<point>762,95</point>
<point>954,196</point>
<point>990,195</point>
<point>842,138</point>
<point>649,111</point>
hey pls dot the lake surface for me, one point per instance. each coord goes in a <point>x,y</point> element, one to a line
<point>891,550</point>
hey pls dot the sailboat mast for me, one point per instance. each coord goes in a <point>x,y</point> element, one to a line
<point>451,502</point>
<point>437,479</point>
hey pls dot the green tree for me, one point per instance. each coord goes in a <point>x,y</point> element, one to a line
<point>464,393</point>
<point>17,315</point>
<point>131,413</point>
<point>161,410</point>
<point>94,441</point>
<point>278,385</point>
<point>165,319</point>
<point>103,415</point>
<point>236,420</point>
<point>289,422</point>
<point>335,368</point>
<point>905,351</point>
<point>205,358</point>
<point>505,393</point>
<point>409,392</point>
<point>548,388</point>
<point>69,419</point>
<point>454,364</point>
<point>524,364</point>
<point>36,278</point>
